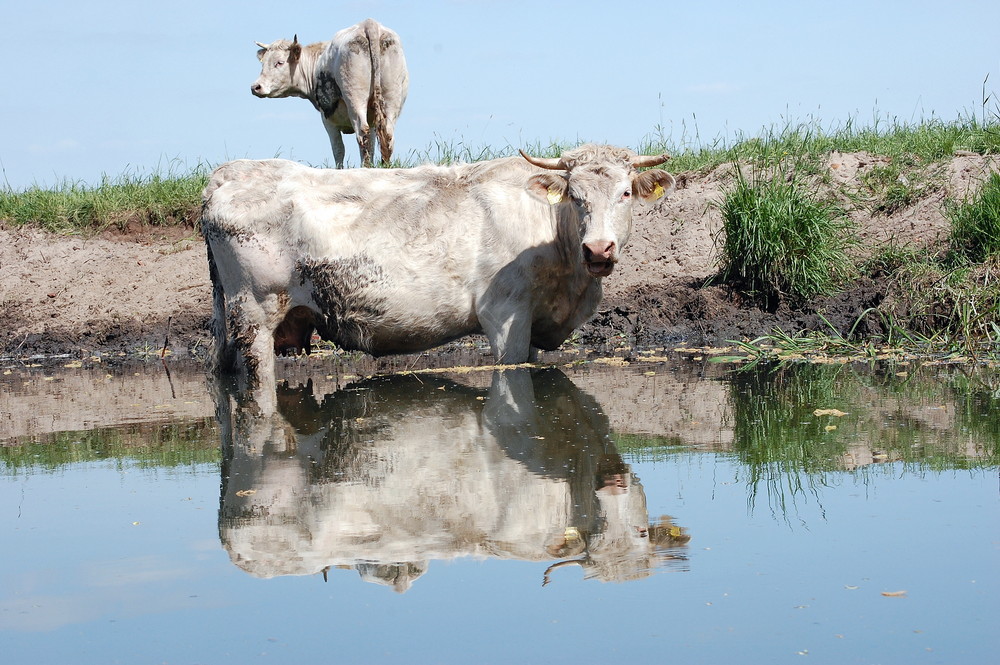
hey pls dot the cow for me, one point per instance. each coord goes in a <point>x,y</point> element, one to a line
<point>395,261</point>
<point>358,81</point>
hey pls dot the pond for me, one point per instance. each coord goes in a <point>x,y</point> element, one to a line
<point>665,509</point>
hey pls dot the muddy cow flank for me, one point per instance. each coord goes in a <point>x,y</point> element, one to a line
<point>358,81</point>
<point>391,261</point>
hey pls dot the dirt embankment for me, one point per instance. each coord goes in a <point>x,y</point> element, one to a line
<point>128,292</point>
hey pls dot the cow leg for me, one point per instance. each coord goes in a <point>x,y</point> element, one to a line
<point>365,139</point>
<point>336,142</point>
<point>363,132</point>
<point>251,333</point>
<point>221,359</point>
<point>509,334</point>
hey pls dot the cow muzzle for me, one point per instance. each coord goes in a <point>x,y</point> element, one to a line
<point>600,257</point>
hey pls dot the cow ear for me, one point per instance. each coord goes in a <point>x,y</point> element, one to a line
<point>549,187</point>
<point>652,185</point>
<point>294,51</point>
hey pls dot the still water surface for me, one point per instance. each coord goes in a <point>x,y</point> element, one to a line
<point>667,510</point>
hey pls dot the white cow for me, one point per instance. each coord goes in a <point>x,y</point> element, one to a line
<point>358,81</point>
<point>391,261</point>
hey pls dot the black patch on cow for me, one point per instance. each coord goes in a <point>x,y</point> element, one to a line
<point>328,94</point>
<point>347,291</point>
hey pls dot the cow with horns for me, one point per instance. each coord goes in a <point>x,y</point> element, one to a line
<point>393,261</point>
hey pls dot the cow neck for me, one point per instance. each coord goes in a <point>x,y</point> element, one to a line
<point>304,78</point>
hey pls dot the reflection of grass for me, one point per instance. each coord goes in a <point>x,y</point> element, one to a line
<point>783,445</point>
<point>643,448</point>
<point>931,416</point>
<point>145,445</point>
<point>897,418</point>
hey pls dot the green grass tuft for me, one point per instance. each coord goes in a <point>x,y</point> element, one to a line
<point>975,224</point>
<point>779,239</point>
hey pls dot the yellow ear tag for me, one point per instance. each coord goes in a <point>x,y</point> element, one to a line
<point>554,195</point>
<point>658,191</point>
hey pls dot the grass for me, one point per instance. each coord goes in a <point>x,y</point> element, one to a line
<point>780,239</point>
<point>975,223</point>
<point>73,207</point>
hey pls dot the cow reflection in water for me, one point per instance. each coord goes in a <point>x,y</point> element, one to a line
<point>392,472</point>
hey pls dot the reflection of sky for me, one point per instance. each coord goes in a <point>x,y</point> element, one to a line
<point>81,583</point>
<point>94,543</point>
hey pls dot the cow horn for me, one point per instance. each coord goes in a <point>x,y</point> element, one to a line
<point>643,161</point>
<point>263,46</point>
<point>560,564</point>
<point>554,163</point>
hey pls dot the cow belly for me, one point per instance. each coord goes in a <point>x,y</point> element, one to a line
<point>364,308</point>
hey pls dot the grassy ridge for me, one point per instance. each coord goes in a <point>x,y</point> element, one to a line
<point>174,198</point>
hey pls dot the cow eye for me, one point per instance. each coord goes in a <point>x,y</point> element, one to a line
<point>279,63</point>
<point>627,194</point>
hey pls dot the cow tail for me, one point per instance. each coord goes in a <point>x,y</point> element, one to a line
<point>376,103</point>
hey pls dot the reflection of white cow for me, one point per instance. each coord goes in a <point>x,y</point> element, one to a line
<point>392,472</point>
<point>358,81</point>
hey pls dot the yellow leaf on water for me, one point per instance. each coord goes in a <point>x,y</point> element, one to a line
<point>829,412</point>
<point>894,594</point>
<point>830,428</point>
<point>246,492</point>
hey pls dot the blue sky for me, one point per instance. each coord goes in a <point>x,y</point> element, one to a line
<point>111,88</point>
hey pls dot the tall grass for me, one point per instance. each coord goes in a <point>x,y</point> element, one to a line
<point>779,239</point>
<point>926,141</point>
<point>975,223</point>
<point>161,200</point>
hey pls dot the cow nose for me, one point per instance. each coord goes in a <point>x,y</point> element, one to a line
<point>256,88</point>
<point>601,250</point>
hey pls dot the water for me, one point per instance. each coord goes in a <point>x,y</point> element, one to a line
<point>667,509</point>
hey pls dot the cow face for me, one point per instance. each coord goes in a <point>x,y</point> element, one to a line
<point>599,190</point>
<point>277,74</point>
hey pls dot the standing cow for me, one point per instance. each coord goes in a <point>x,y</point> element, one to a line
<point>391,261</point>
<point>357,81</point>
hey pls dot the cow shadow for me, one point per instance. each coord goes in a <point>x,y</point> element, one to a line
<point>392,472</point>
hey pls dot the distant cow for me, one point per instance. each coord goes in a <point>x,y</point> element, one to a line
<point>391,261</point>
<point>357,81</point>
